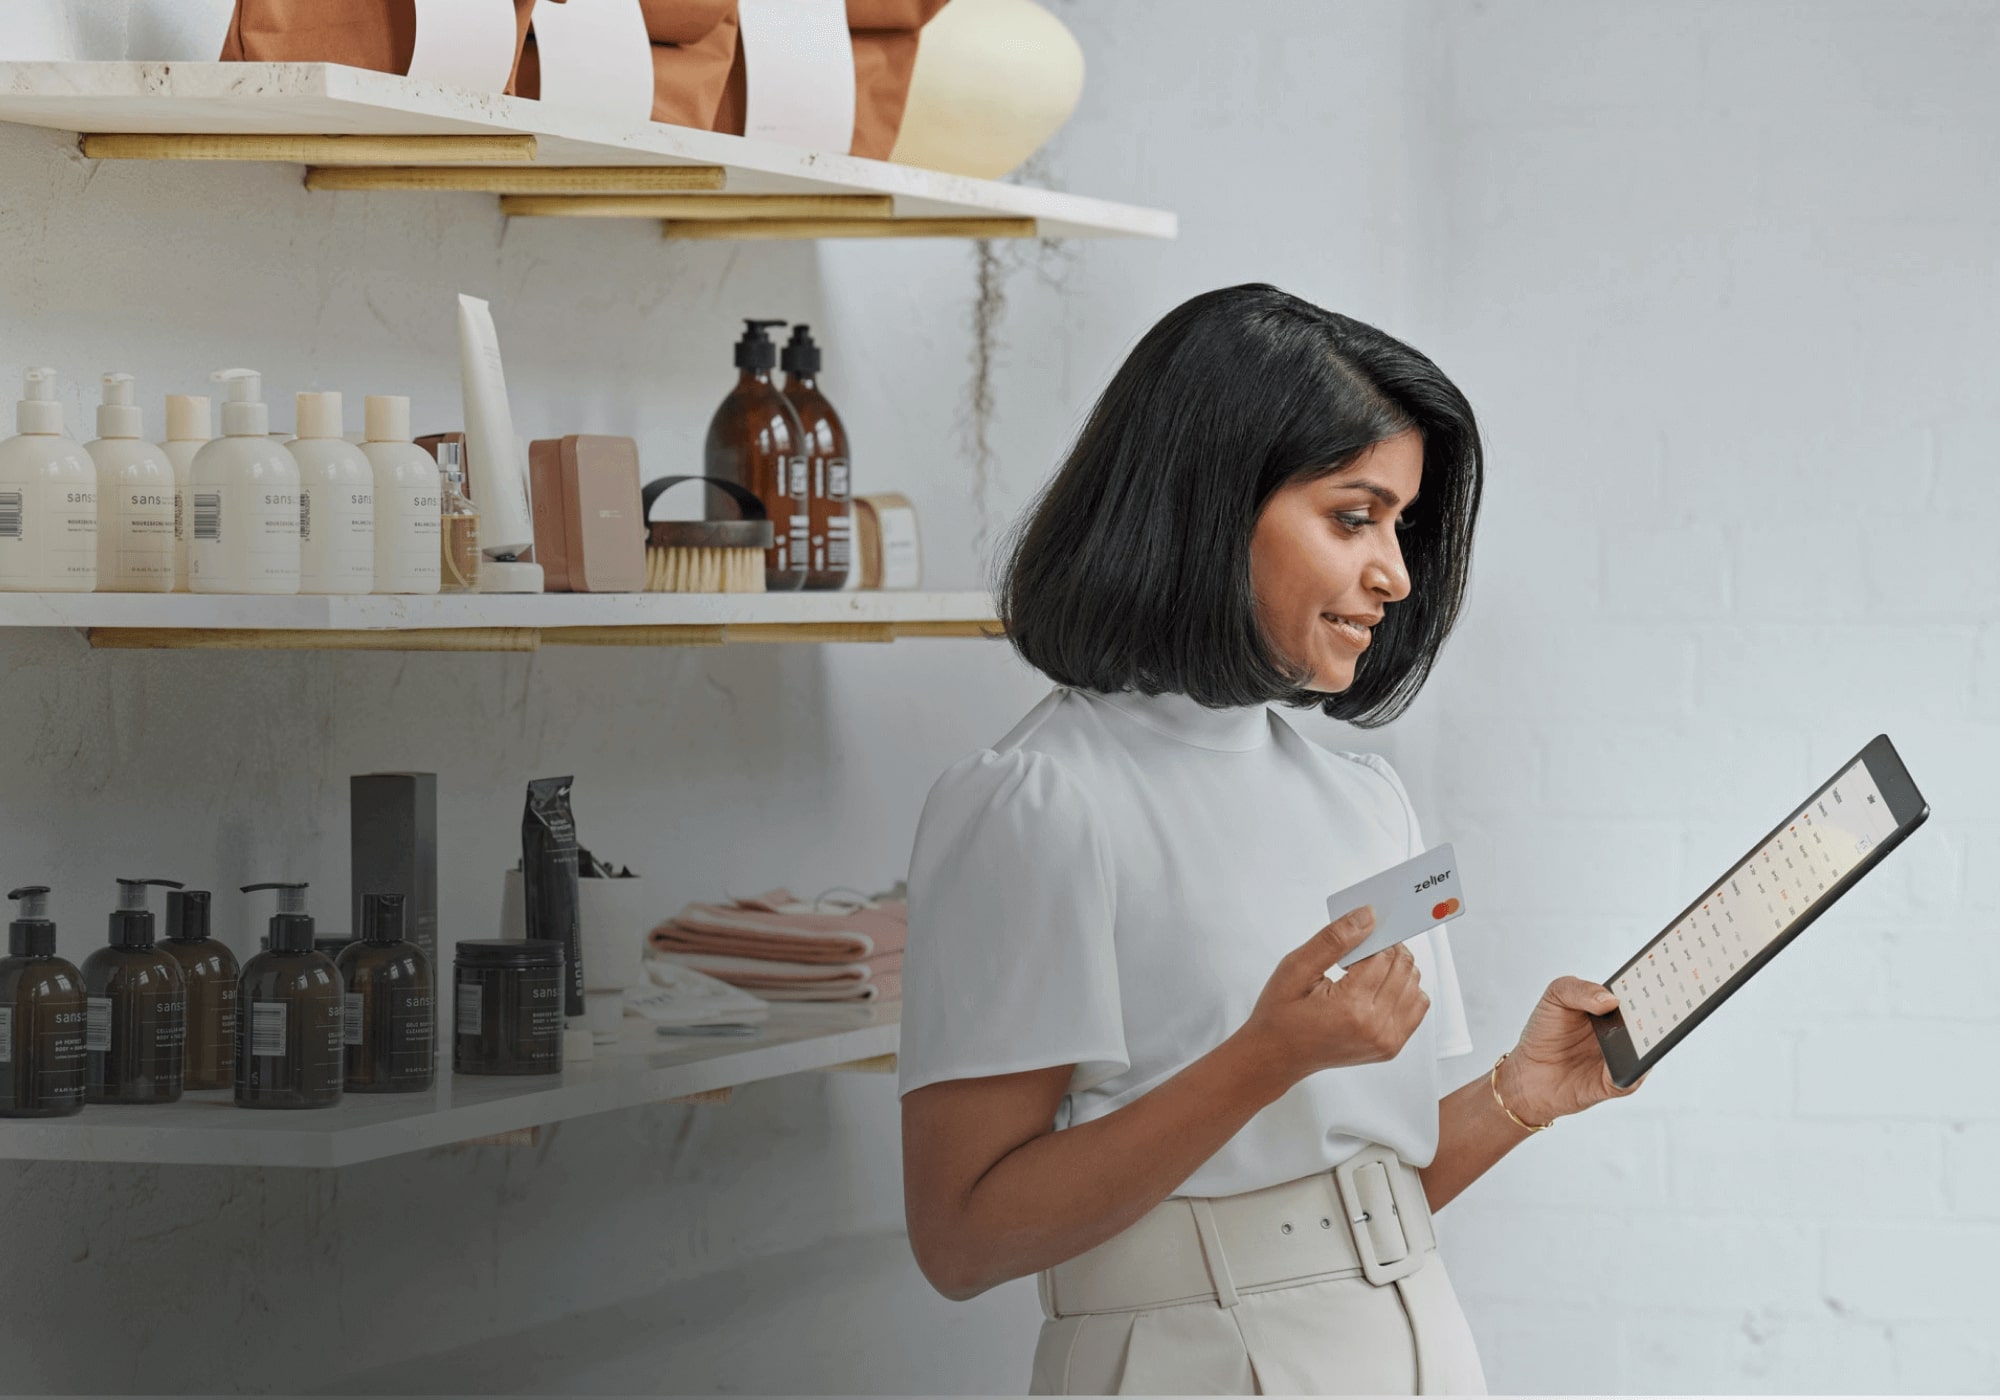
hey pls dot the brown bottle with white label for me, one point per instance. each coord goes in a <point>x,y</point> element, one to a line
<point>387,1022</point>
<point>755,441</point>
<point>135,1001</point>
<point>41,1017</point>
<point>829,493</point>
<point>210,973</point>
<point>288,1051</point>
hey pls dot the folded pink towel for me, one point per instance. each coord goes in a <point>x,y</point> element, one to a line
<point>776,926</point>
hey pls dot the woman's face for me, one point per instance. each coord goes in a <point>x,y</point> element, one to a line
<point>1326,549</point>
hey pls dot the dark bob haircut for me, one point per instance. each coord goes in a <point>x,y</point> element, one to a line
<point>1132,569</point>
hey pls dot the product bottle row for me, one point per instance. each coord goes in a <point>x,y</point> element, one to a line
<point>142,1021</point>
<point>242,513</point>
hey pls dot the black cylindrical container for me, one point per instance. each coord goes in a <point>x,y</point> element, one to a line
<point>507,995</point>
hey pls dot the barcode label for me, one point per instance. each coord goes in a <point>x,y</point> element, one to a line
<point>6,1035</point>
<point>267,1024</point>
<point>96,1024</point>
<point>10,515</point>
<point>305,515</point>
<point>208,515</point>
<point>350,1018</point>
<point>469,1007</point>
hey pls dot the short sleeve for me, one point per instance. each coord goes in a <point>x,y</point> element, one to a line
<point>1454,1031</point>
<point>1010,964</point>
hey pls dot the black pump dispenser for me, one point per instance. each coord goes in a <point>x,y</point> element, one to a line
<point>754,351</point>
<point>381,918</point>
<point>132,921</point>
<point>291,926</point>
<point>32,934</point>
<point>187,916</point>
<point>801,356</point>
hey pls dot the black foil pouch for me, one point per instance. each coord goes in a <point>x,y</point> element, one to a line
<point>548,878</point>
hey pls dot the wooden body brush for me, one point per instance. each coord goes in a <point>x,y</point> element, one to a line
<point>706,556</point>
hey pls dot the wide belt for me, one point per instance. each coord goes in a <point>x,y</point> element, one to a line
<point>1367,1217</point>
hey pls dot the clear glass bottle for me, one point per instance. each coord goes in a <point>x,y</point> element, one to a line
<point>459,537</point>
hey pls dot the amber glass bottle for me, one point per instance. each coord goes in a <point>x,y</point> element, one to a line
<point>41,1017</point>
<point>387,1025</point>
<point>288,1052</point>
<point>829,492</point>
<point>209,972</point>
<point>135,1029</point>
<point>755,441</point>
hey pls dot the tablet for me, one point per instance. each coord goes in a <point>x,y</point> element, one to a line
<point>1791,877</point>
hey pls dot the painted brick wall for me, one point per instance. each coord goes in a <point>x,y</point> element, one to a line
<point>1721,278</point>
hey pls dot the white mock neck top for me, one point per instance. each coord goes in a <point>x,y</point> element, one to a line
<point>1111,885</point>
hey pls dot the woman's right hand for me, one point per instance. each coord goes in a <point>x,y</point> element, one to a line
<point>1305,1021</point>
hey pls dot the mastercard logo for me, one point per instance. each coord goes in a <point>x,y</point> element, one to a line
<point>1444,910</point>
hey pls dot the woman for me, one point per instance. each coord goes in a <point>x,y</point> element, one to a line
<point>1223,1175</point>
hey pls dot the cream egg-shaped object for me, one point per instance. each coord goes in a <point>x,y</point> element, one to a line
<point>994,80</point>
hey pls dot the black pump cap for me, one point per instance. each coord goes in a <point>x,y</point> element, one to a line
<point>801,355</point>
<point>381,918</point>
<point>132,921</point>
<point>33,935</point>
<point>291,926</point>
<point>755,350</point>
<point>187,915</point>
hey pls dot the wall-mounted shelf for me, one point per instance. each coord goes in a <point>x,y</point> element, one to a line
<point>497,622</point>
<point>358,129</point>
<point>208,1129</point>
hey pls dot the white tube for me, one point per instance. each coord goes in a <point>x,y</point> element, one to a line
<point>506,529</point>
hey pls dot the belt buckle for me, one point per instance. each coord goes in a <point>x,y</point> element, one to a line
<point>1374,1200</point>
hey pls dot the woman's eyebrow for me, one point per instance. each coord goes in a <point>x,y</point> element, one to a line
<point>1382,493</point>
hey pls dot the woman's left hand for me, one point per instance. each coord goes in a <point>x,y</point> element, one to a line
<point>1556,1069</point>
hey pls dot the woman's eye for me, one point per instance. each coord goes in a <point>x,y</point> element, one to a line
<point>1357,523</point>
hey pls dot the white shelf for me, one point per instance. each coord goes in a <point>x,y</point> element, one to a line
<point>208,1129</point>
<point>497,622</point>
<point>329,99</point>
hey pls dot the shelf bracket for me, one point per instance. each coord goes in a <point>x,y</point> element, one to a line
<point>308,639</point>
<point>556,180</point>
<point>306,149</point>
<point>849,228</point>
<point>744,207</point>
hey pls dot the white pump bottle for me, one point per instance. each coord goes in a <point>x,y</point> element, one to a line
<point>336,502</point>
<point>48,500</point>
<point>409,554</point>
<point>243,500</point>
<point>187,433</point>
<point>135,499</point>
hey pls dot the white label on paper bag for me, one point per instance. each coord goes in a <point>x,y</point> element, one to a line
<point>596,57</point>
<point>464,43</point>
<point>1409,898</point>
<point>800,66</point>
<point>902,564</point>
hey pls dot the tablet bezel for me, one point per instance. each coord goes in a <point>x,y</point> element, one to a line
<point>1906,806</point>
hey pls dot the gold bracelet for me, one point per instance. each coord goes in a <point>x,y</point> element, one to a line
<point>1494,1079</point>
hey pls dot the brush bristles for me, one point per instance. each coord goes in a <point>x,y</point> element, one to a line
<point>670,570</point>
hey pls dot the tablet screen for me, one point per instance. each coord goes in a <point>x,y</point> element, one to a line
<point>1752,906</point>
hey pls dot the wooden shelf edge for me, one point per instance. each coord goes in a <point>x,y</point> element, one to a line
<point>306,148</point>
<point>519,639</point>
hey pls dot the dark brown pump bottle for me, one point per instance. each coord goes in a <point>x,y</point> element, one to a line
<point>135,1029</point>
<point>210,973</point>
<point>829,492</point>
<point>755,441</point>
<point>288,1052</point>
<point>388,1024</point>
<point>41,1017</point>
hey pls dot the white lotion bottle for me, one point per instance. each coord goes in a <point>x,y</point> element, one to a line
<point>135,499</point>
<point>243,500</point>
<point>408,500</point>
<point>48,499</point>
<point>187,430</point>
<point>336,502</point>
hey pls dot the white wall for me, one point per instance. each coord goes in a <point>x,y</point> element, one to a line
<point>1709,273</point>
<point>1719,278</point>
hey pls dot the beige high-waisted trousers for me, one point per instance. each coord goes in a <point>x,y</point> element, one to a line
<point>1327,1285</point>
